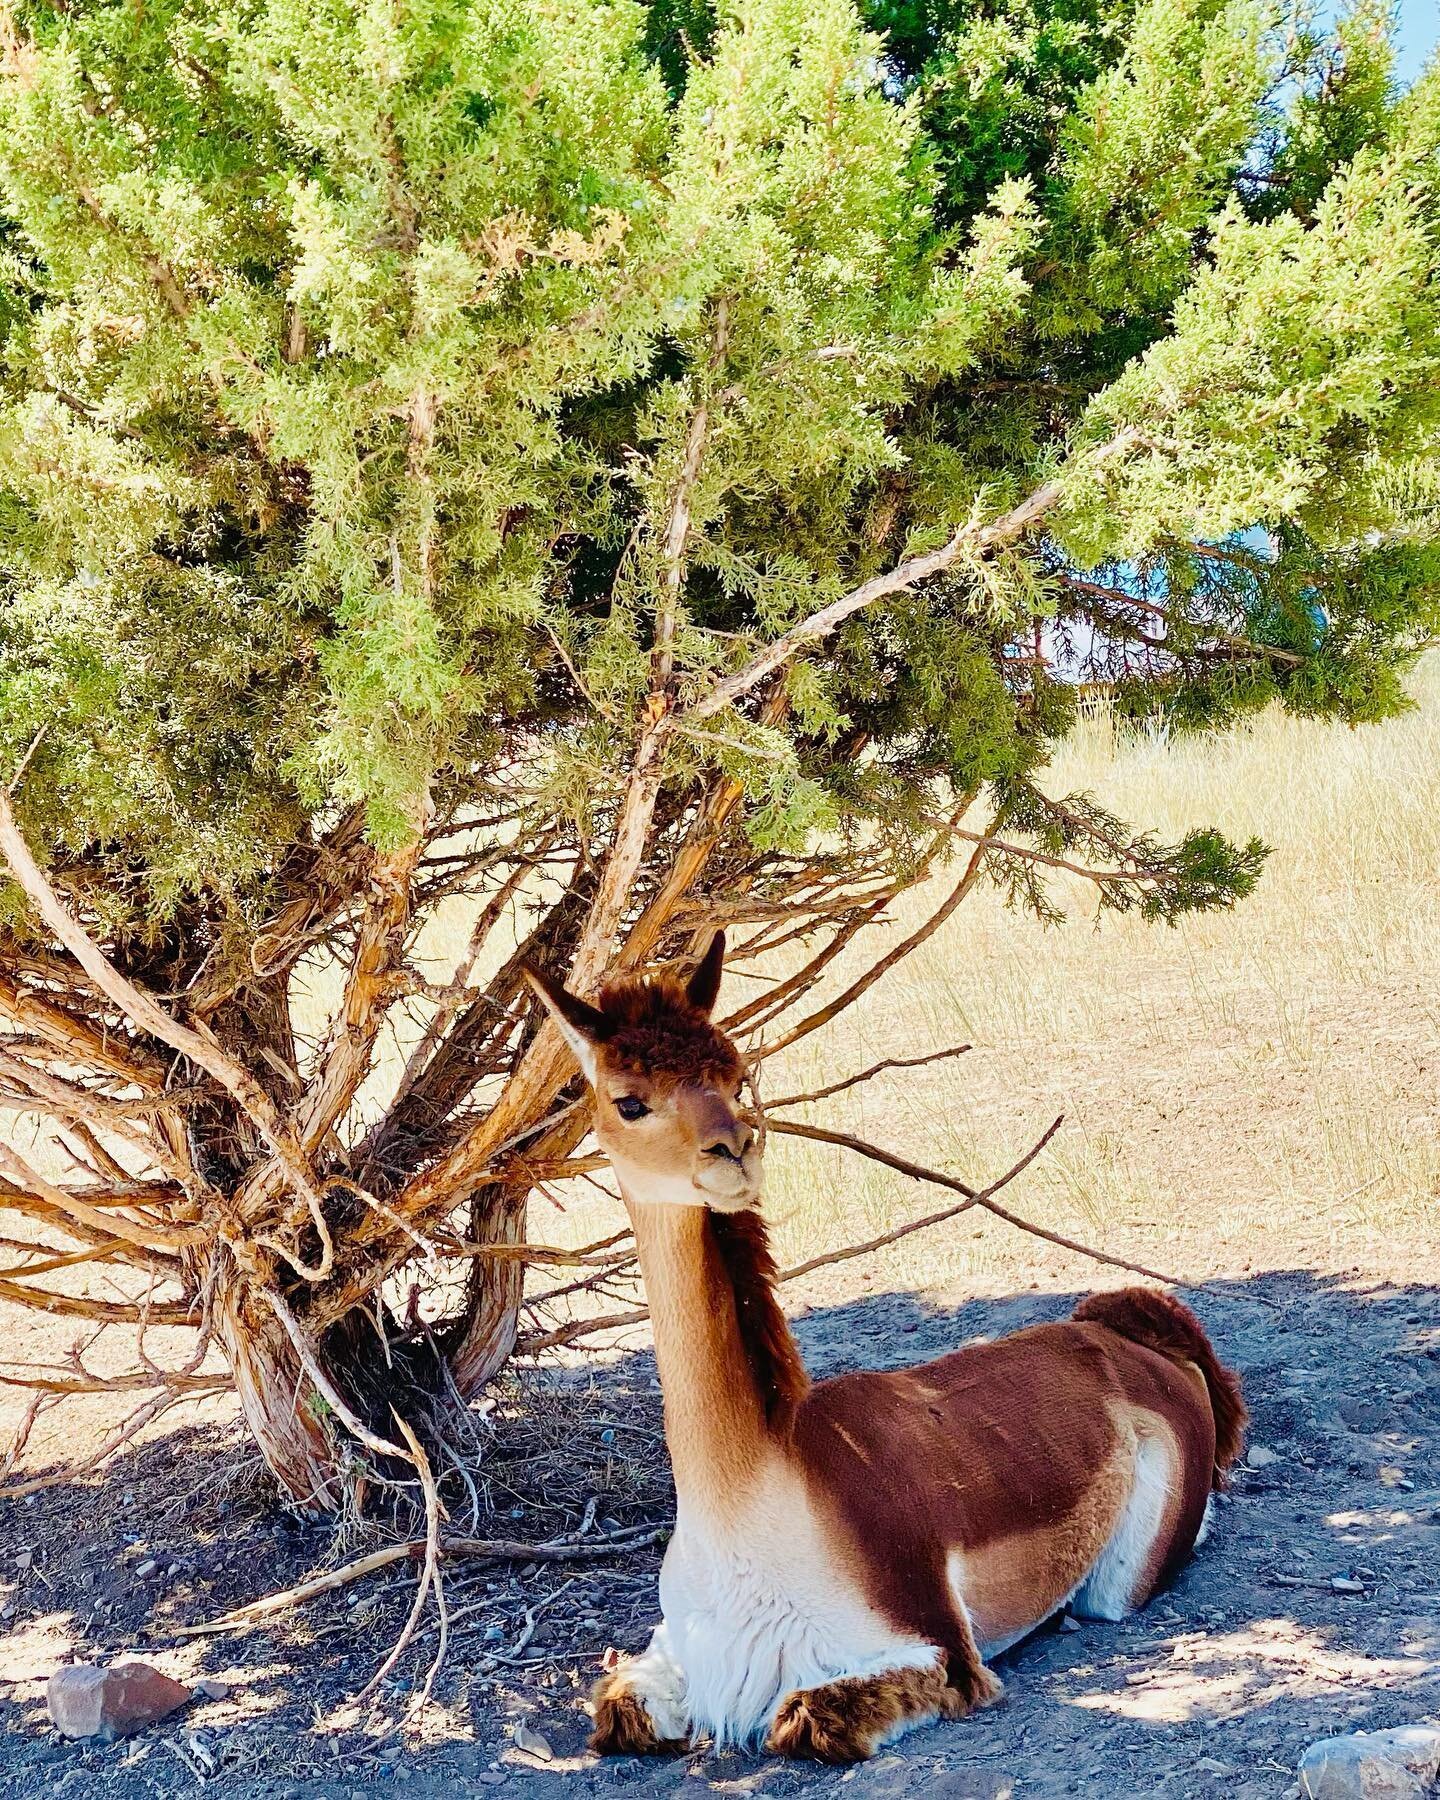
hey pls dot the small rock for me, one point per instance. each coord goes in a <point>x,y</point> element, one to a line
<point>533,1743</point>
<point>86,1701</point>
<point>148,1567</point>
<point>973,1783</point>
<point>24,1558</point>
<point>213,1688</point>
<point>1346,1584</point>
<point>1401,1764</point>
<point>1258,1457</point>
<point>882,1778</point>
<point>1068,1624</point>
<point>203,1756</point>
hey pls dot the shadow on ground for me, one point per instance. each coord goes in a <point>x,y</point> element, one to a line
<point>1215,1689</point>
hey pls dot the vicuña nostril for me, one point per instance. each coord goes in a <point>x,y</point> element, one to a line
<point>724,1151</point>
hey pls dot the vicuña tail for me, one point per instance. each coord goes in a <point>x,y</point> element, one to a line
<point>1163,1323</point>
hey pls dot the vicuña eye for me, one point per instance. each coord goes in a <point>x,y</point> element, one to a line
<point>631,1108</point>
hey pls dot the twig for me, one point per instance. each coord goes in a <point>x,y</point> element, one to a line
<point>879,1068</point>
<point>429,1575</point>
<point>24,763</point>
<point>823,1015</point>
<point>532,1619</point>
<point>977,1197</point>
<point>980,1198</point>
<point>589,1256</point>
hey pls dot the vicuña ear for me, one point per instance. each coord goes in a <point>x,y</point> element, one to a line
<point>583,1026</point>
<point>703,987</point>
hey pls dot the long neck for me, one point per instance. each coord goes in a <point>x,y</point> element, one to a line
<point>730,1369</point>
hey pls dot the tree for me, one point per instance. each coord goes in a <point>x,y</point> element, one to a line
<point>637,469</point>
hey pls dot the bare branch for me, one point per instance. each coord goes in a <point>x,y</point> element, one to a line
<point>65,1100</point>
<point>77,1039</point>
<point>976,1197</point>
<point>970,541</point>
<point>75,1306</point>
<point>127,1429</point>
<point>1224,641</point>
<point>879,1068</point>
<point>107,1223</point>
<point>824,1014</point>
<point>204,1051</point>
<point>378,946</point>
<point>134,1380</point>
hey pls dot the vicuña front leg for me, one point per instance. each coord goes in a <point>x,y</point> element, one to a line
<point>847,1720</point>
<point>640,1707</point>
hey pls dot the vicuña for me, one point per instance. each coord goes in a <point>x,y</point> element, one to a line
<point>847,1554</point>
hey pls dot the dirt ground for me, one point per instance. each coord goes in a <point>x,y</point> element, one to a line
<point>1216,1689</point>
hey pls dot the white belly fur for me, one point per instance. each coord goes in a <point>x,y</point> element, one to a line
<point>762,1605</point>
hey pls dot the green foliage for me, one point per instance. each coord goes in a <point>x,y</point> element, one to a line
<point>350,358</point>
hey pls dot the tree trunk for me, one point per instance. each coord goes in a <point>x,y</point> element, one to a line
<point>486,1334</point>
<point>277,1397</point>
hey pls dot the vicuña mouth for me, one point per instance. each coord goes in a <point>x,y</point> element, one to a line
<point>728,1188</point>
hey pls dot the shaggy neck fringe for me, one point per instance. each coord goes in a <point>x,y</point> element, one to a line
<point>743,1245</point>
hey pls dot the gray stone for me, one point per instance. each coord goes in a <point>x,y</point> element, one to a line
<point>972,1782</point>
<point>888,1777</point>
<point>1403,1764</point>
<point>86,1701</point>
<point>1258,1457</point>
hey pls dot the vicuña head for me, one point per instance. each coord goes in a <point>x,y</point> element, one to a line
<point>667,1085</point>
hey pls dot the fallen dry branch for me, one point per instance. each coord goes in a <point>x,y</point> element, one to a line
<point>243,1618</point>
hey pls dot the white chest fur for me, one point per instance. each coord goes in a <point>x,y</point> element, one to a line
<point>761,1605</point>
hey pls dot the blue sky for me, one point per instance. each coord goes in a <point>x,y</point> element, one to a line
<point>1417,36</point>
<point>1417,32</point>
